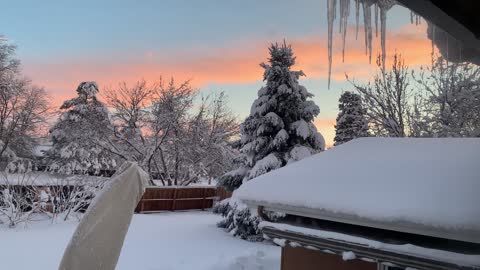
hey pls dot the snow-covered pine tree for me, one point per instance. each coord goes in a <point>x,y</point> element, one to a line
<point>75,136</point>
<point>351,120</point>
<point>278,131</point>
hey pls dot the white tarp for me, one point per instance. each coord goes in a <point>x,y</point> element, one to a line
<point>98,239</point>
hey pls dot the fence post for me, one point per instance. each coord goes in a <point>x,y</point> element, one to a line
<point>204,200</point>
<point>174,198</point>
<point>140,210</point>
<point>141,206</point>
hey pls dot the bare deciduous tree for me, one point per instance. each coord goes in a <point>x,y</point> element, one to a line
<point>23,109</point>
<point>451,99</point>
<point>387,99</point>
<point>162,127</point>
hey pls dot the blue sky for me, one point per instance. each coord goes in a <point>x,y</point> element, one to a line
<point>218,44</point>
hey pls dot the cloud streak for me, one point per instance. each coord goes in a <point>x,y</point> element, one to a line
<point>236,64</point>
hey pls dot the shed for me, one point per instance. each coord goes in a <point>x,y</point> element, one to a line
<point>376,202</point>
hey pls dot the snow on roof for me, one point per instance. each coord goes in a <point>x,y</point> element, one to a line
<point>427,186</point>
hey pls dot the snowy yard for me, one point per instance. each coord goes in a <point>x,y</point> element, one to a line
<point>187,240</point>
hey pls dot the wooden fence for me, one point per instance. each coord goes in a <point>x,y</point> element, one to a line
<point>156,199</point>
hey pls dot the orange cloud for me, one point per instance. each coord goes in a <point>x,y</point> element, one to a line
<point>327,128</point>
<point>236,64</point>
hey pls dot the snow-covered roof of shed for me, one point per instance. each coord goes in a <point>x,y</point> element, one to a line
<point>427,186</point>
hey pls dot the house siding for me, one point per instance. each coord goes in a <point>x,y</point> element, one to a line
<point>299,258</point>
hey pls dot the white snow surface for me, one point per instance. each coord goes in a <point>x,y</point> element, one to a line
<point>432,182</point>
<point>167,241</point>
<point>408,249</point>
<point>348,255</point>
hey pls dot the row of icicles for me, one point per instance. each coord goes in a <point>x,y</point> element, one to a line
<point>380,12</point>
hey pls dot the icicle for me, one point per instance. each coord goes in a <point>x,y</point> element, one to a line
<point>383,33</point>
<point>384,6</point>
<point>344,13</point>
<point>381,6</point>
<point>357,11</point>
<point>330,17</point>
<point>433,39</point>
<point>334,10</point>
<point>367,26</point>
<point>340,21</point>
<point>376,19</point>
<point>415,18</point>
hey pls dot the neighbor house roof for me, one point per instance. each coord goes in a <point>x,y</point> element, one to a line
<point>426,186</point>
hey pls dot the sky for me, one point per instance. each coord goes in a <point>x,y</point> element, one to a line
<point>217,44</point>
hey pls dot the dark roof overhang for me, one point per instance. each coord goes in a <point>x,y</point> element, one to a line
<point>464,235</point>
<point>457,18</point>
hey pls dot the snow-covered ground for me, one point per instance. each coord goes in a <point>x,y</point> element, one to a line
<point>181,240</point>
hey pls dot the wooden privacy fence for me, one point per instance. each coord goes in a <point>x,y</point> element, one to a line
<point>157,199</point>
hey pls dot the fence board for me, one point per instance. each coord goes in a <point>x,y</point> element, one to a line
<point>156,199</point>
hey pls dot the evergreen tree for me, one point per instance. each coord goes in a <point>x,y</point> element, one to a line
<point>278,131</point>
<point>75,136</point>
<point>351,120</point>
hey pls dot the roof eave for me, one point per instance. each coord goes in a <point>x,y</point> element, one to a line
<point>459,235</point>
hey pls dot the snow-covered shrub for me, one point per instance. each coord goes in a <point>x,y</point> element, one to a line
<point>22,197</point>
<point>233,179</point>
<point>221,207</point>
<point>278,131</point>
<point>239,221</point>
<point>20,165</point>
<point>73,195</point>
<point>19,200</point>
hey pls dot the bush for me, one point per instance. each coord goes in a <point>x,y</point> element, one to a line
<point>238,220</point>
<point>21,198</point>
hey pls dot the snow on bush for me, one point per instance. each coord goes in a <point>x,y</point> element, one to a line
<point>239,221</point>
<point>24,196</point>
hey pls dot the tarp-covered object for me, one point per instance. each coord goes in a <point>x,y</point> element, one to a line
<point>98,239</point>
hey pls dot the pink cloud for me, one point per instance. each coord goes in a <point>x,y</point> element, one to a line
<point>236,64</point>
